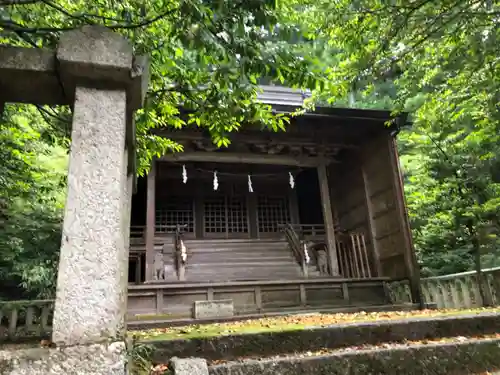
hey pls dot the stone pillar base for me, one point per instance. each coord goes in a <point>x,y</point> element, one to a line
<point>95,359</point>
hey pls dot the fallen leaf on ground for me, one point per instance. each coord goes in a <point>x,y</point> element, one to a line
<point>385,345</point>
<point>300,321</point>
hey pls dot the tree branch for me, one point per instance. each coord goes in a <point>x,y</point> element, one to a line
<point>8,25</point>
<point>17,2</point>
<point>64,11</point>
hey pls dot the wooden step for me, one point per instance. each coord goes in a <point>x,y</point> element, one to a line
<point>195,244</point>
<point>240,259</point>
<point>202,278</point>
<point>239,250</point>
<point>214,262</point>
<point>235,240</point>
<point>255,264</point>
<point>246,252</point>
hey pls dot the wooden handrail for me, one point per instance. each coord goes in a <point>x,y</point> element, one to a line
<point>306,229</point>
<point>351,248</point>
<point>297,246</point>
<point>140,230</point>
<point>353,255</point>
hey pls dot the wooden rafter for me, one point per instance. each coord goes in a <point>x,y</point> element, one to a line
<point>275,138</point>
<point>246,158</point>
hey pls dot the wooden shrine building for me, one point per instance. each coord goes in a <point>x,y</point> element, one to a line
<point>311,217</point>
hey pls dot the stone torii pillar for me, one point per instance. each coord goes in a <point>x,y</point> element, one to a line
<point>95,71</point>
<point>92,279</point>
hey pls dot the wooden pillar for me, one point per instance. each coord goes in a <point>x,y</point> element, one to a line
<point>328,219</point>
<point>138,269</point>
<point>199,211</point>
<point>410,256</point>
<point>252,215</point>
<point>372,230</point>
<point>150,221</point>
<point>294,207</point>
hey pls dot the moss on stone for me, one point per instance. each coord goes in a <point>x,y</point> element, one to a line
<point>458,359</point>
<point>313,339</point>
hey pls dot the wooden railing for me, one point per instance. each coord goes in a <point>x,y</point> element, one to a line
<point>460,290</point>
<point>352,251</point>
<point>139,231</point>
<point>353,257</point>
<point>310,230</point>
<point>297,246</point>
<point>25,319</point>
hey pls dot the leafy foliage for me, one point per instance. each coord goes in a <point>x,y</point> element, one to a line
<point>32,182</point>
<point>440,61</point>
<point>205,55</point>
<point>437,59</point>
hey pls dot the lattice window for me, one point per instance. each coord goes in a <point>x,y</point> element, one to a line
<point>237,220</point>
<point>174,210</point>
<point>272,211</point>
<point>215,215</point>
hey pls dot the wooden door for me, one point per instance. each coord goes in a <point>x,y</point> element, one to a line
<point>225,216</point>
<point>272,211</point>
<point>175,210</point>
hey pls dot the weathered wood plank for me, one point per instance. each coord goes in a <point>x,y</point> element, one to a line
<point>246,158</point>
<point>328,219</point>
<point>150,221</point>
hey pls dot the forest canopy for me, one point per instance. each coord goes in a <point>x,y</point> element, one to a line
<point>438,60</point>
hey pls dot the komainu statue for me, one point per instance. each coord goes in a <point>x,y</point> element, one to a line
<point>320,254</point>
<point>163,269</point>
<point>159,266</point>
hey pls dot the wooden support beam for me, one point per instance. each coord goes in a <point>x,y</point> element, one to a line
<point>150,222</point>
<point>294,206</point>
<point>410,256</point>
<point>244,158</point>
<point>253,228</point>
<point>309,139</point>
<point>328,219</point>
<point>372,230</point>
<point>138,269</point>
